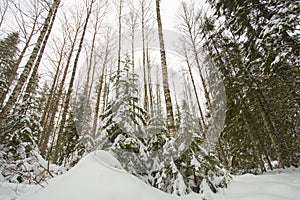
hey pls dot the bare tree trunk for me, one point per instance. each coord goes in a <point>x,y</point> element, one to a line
<point>132,20</point>
<point>202,123</point>
<point>150,89</point>
<point>28,67</point>
<point>108,76</point>
<point>40,55</point>
<point>13,74</point>
<point>189,19</point>
<point>69,93</point>
<point>168,100</point>
<point>55,129</point>
<point>177,110</point>
<point>99,90</point>
<point>55,102</point>
<point>105,90</point>
<point>93,59</point>
<point>49,104</point>
<point>144,56</point>
<point>119,35</point>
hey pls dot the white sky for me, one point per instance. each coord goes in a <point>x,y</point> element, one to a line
<point>169,8</point>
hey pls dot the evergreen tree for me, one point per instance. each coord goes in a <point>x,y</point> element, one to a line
<point>8,56</point>
<point>123,120</point>
<point>181,165</point>
<point>20,131</point>
<point>257,51</point>
<point>195,165</point>
<point>82,116</point>
<point>73,143</point>
<point>156,137</point>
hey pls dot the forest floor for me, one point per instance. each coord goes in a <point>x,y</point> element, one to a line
<point>100,176</point>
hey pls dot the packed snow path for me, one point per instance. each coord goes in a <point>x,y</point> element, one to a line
<point>100,176</point>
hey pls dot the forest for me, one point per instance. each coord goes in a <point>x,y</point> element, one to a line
<point>80,76</point>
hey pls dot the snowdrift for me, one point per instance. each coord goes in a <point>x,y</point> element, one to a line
<point>274,185</point>
<point>98,176</point>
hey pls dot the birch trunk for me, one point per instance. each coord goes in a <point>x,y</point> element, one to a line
<point>28,67</point>
<point>70,89</point>
<point>166,88</point>
<point>55,102</point>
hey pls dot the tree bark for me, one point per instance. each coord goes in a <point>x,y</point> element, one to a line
<point>193,39</point>
<point>55,102</point>
<point>270,130</point>
<point>99,89</point>
<point>202,123</point>
<point>49,104</point>
<point>166,88</point>
<point>144,56</point>
<point>119,35</point>
<point>12,77</point>
<point>70,89</point>
<point>36,65</point>
<point>28,67</point>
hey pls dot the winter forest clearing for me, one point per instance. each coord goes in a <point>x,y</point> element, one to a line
<point>163,99</point>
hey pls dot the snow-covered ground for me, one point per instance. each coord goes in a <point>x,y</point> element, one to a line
<point>276,185</point>
<point>100,176</point>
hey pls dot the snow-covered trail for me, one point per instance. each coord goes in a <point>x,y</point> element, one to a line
<point>100,176</point>
<point>275,185</point>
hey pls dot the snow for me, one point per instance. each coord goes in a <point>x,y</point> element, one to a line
<point>96,177</point>
<point>276,185</point>
<point>10,191</point>
<point>195,162</point>
<point>100,176</point>
<point>106,158</point>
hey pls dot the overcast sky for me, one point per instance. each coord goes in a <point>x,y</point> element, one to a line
<point>169,8</point>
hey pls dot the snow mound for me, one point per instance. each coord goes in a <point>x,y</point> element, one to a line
<point>106,158</point>
<point>97,176</point>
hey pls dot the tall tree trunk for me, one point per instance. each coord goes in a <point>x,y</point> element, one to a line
<point>69,93</point>
<point>193,39</point>
<point>150,89</point>
<point>100,86</point>
<point>49,125</point>
<point>166,88</point>
<point>40,54</point>
<point>13,74</point>
<point>106,89</point>
<point>49,104</point>
<point>119,35</point>
<point>270,130</point>
<point>28,67</point>
<point>108,74</point>
<point>202,122</point>
<point>144,56</point>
